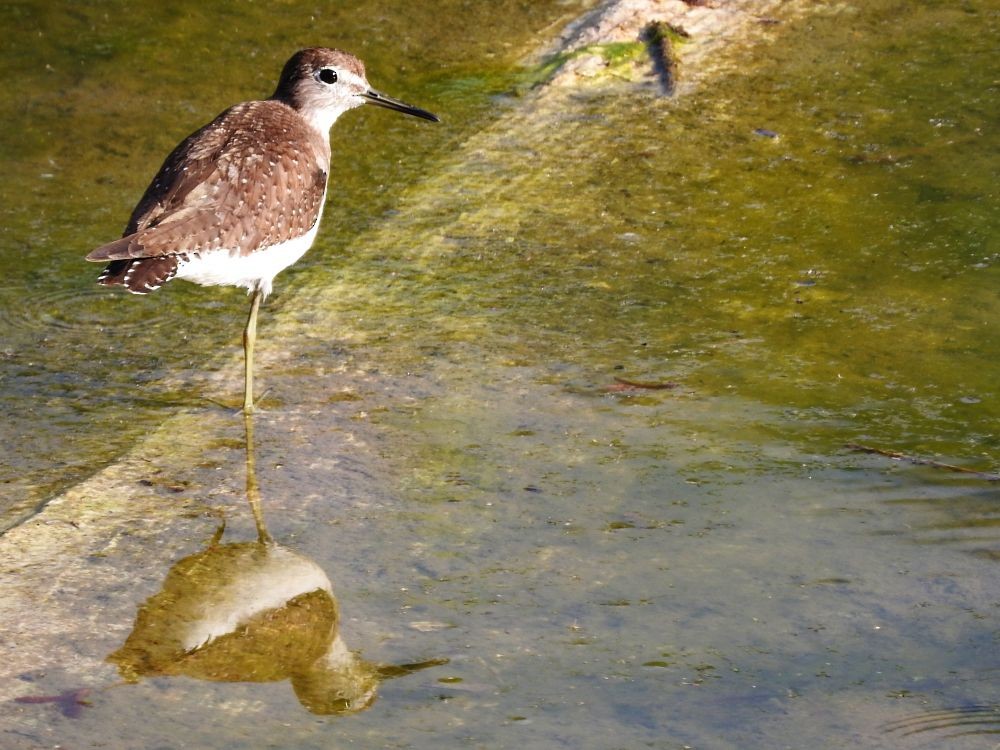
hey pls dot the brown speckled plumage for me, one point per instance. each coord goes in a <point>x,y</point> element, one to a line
<point>252,178</point>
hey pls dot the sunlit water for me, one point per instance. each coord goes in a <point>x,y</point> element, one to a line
<point>803,251</point>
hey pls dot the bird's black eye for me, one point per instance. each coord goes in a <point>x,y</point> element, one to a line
<point>328,75</point>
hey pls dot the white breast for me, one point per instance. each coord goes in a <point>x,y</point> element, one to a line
<point>256,270</point>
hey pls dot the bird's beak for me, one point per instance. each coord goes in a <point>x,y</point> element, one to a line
<point>374,97</point>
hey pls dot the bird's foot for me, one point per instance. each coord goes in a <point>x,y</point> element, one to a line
<point>250,406</point>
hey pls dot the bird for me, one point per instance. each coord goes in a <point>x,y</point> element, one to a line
<point>240,199</point>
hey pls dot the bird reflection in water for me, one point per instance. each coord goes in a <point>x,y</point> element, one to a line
<point>253,612</point>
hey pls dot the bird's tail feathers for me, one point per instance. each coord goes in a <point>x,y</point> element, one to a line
<point>141,275</point>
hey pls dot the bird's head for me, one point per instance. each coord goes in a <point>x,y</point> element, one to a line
<point>323,83</point>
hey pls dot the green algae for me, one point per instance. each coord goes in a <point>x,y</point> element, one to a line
<point>619,60</point>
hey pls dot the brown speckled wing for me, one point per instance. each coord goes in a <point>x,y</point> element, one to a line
<point>252,178</point>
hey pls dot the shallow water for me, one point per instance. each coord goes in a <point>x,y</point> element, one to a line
<point>801,254</point>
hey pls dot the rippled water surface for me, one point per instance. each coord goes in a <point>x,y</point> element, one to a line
<point>560,403</point>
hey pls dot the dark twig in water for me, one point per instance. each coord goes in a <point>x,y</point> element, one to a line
<point>896,456</point>
<point>662,37</point>
<point>907,154</point>
<point>70,703</point>
<point>621,384</point>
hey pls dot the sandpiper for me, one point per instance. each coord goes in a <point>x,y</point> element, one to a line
<point>240,199</point>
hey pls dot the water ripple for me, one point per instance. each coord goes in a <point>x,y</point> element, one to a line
<point>952,722</point>
<point>88,308</point>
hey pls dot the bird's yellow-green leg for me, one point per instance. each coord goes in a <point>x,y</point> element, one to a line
<point>249,339</point>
